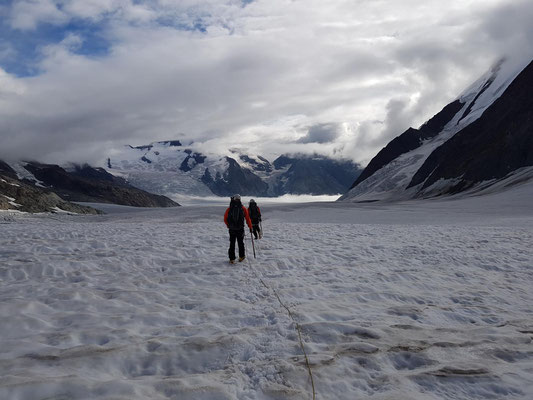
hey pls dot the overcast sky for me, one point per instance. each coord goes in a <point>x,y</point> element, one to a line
<point>81,77</point>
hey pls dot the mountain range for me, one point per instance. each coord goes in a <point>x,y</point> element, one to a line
<point>479,139</point>
<point>169,168</point>
<point>139,176</point>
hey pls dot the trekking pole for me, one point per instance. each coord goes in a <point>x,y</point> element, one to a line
<point>261,229</point>
<point>253,245</point>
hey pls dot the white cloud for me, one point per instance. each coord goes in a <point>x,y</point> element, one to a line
<point>9,86</point>
<point>27,14</point>
<point>259,77</point>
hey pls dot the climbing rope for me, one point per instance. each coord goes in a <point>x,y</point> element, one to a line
<point>291,316</point>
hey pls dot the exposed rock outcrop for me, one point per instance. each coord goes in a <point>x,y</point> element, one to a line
<point>20,196</point>
<point>87,184</point>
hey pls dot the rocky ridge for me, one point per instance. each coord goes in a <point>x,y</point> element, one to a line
<point>484,136</point>
<point>20,196</point>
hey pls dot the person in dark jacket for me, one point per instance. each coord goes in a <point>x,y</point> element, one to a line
<point>255,216</point>
<point>234,219</point>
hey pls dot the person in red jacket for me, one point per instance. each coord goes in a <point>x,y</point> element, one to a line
<point>234,218</point>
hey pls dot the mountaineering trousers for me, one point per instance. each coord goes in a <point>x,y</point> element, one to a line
<point>239,237</point>
<point>256,230</point>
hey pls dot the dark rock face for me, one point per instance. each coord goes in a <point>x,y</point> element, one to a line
<point>235,180</point>
<point>263,165</point>
<point>89,184</point>
<point>6,170</point>
<point>497,143</point>
<point>191,160</point>
<point>410,140</point>
<point>86,171</point>
<point>436,124</point>
<point>483,89</point>
<point>32,199</point>
<point>282,162</point>
<point>314,175</point>
<point>147,147</point>
<point>172,143</point>
<point>207,179</point>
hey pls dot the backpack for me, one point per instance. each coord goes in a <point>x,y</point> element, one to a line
<point>254,212</point>
<point>235,216</point>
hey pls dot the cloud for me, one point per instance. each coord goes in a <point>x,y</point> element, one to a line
<point>320,133</point>
<point>263,75</point>
<point>27,14</point>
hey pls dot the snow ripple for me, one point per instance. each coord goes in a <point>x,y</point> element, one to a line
<point>144,305</point>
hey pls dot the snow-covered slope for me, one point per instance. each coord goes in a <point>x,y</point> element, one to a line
<point>420,300</point>
<point>156,168</point>
<point>391,179</point>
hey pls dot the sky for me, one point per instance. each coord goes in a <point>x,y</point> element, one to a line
<point>80,78</point>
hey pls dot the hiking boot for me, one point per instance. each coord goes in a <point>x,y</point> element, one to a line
<point>232,261</point>
<point>241,259</point>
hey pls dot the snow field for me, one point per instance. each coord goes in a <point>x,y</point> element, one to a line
<point>137,310</point>
<point>413,312</point>
<point>143,304</point>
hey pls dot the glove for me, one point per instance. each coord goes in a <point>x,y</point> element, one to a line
<point>251,230</point>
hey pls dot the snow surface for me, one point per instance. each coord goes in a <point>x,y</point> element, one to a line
<point>413,300</point>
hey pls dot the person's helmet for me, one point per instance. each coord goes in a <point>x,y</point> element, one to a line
<point>252,201</point>
<point>236,197</point>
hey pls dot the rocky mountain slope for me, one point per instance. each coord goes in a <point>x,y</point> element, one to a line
<point>493,146</point>
<point>313,175</point>
<point>77,183</point>
<point>483,136</point>
<point>20,196</point>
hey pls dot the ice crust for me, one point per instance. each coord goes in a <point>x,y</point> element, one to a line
<point>412,300</point>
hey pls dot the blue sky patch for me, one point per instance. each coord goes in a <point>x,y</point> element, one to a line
<point>21,50</point>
